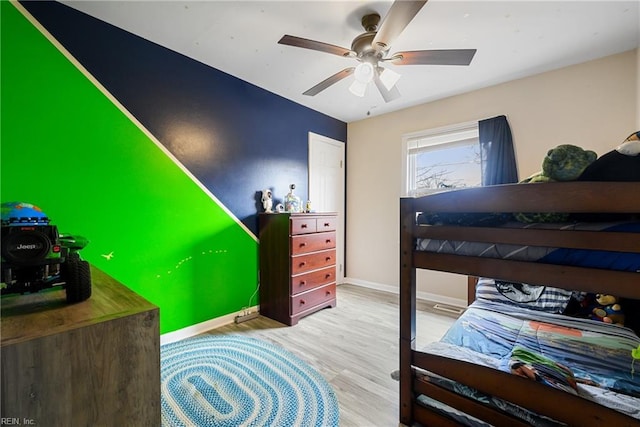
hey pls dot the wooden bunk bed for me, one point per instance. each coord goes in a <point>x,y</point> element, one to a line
<point>569,197</point>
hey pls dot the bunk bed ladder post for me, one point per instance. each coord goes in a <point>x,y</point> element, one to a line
<point>407,309</point>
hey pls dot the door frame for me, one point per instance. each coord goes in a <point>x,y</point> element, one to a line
<point>315,138</point>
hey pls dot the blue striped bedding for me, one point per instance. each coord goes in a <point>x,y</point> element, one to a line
<point>598,354</point>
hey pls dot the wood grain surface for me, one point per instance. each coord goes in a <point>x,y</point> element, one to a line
<point>94,363</point>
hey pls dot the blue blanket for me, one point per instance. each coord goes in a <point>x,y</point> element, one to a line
<point>597,353</point>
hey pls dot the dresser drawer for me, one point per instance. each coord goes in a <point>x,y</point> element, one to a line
<point>305,243</point>
<point>326,224</point>
<point>310,299</point>
<point>308,281</point>
<point>313,261</point>
<point>303,225</point>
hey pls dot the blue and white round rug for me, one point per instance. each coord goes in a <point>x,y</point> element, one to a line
<point>232,381</point>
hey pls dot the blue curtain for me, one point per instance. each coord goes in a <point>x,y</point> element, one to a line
<point>496,148</point>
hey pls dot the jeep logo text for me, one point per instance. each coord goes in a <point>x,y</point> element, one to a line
<point>27,247</point>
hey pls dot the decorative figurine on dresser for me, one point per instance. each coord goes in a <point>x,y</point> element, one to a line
<point>267,200</point>
<point>297,264</point>
<point>292,203</point>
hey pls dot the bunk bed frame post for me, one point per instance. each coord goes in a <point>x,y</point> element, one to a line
<point>472,281</point>
<point>407,309</point>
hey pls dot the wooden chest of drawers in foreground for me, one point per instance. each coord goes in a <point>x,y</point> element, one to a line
<point>297,264</point>
<point>94,363</point>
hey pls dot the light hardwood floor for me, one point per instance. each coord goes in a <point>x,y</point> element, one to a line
<point>354,346</point>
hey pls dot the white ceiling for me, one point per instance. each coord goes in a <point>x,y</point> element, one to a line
<point>514,39</point>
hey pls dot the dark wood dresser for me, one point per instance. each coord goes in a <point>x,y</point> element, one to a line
<point>297,264</point>
<point>94,363</point>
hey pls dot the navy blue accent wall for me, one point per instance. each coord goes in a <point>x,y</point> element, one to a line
<point>234,137</point>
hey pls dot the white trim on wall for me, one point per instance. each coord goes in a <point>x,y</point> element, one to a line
<point>329,199</point>
<point>205,326</point>
<point>638,88</point>
<point>394,289</point>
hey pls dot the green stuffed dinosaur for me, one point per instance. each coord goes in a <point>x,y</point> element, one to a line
<point>565,162</point>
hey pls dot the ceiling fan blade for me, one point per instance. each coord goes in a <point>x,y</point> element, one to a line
<point>388,95</point>
<point>314,45</point>
<point>396,20</point>
<point>434,57</point>
<point>329,81</point>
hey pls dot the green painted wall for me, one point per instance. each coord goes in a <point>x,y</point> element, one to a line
<point>68,149</point>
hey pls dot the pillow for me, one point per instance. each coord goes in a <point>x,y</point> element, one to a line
<point>535,297</point>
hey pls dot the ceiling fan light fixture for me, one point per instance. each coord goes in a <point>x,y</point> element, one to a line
<point>358,88</point>
<point>371,48</point>
<point>389,78</point>
<point>364,72</point>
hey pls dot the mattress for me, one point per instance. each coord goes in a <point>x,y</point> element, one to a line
<point>597,354</point>
<point>610,260</point>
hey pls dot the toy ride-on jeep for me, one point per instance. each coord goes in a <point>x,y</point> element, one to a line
<point>36,257</point>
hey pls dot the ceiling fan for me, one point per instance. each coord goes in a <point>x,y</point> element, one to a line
<point>371,48</point>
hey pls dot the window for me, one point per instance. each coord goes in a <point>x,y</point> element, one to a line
<point>442,158</point>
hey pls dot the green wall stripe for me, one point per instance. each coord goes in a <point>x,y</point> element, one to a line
<point>68,148</point>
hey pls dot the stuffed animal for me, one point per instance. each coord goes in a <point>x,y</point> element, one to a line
<point>621,164</point>
<point>607,310</point>
<point>631,145</point>
<point>565,162</point>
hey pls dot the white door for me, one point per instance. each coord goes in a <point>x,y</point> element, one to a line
<point>327,186</point>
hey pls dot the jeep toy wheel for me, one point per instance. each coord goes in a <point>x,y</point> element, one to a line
<point>77,275</point>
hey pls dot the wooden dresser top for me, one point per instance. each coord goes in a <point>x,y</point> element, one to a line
<point>30,316</point>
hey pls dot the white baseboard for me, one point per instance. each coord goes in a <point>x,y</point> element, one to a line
<point>427,296</point>
<point>205,326</point>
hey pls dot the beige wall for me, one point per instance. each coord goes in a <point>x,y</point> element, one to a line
<point>594,105</point>
<point>638,90</point>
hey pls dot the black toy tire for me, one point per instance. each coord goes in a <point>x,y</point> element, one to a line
<point>77,275</point>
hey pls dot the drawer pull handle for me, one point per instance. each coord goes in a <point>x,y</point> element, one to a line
<point>303,244</point>
<point>328,258</point>
<point>326,276</point>
<point>302,302</point>
<point>303,225</point>
<point>303,263</point>
<point>303,282</point>
<point>328,241</point>
<point>328,293</point>
<point>326,224</point>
